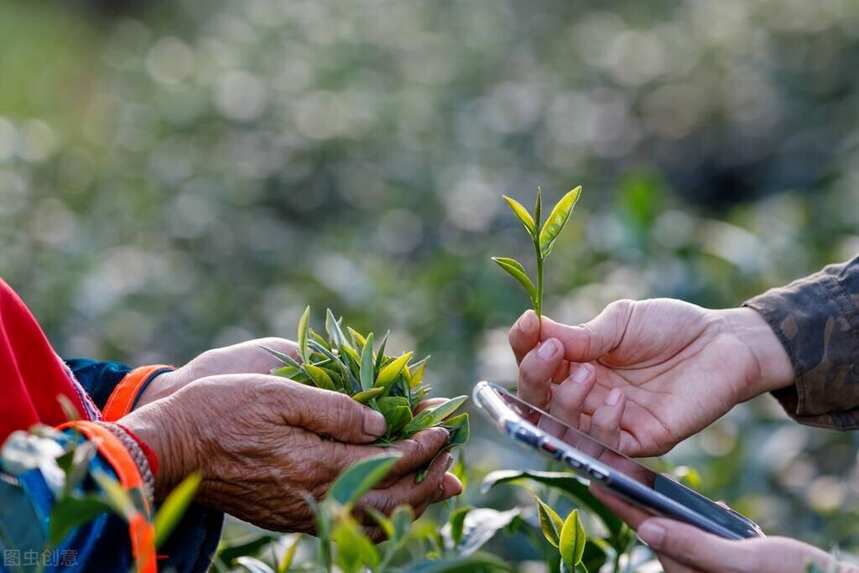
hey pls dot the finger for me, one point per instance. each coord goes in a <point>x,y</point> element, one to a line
<point>605,422</point>
<point>524,334</point>
<point>406,491</point>
<point>693,547</point>
<point>590,341</point>
<point>672,566</point>
<point>418,451</point>
<point>324,412</point>
<point>568,398</point>
<point>536,370</point>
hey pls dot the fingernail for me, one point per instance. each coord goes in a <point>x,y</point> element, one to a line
<point>448,463</point>
<point>581,373</point>
<point>548,349</point>
<point>529,323</point>
<point>613,397</point>
<point>374,424</point>
<point>652,534</point>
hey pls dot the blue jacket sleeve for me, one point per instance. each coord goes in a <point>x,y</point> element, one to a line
<point>98,378</point>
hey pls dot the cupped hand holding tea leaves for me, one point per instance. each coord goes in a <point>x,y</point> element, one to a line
<point>263,444</point>
<point>353,365</point>
<point>677,367</point>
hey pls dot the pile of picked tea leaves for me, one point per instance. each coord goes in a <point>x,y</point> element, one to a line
<point>355,365</point>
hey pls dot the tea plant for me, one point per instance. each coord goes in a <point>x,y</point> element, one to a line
<point>543,235</point>
<point>391,385</point>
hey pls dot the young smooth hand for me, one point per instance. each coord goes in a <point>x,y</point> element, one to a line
<point>667,368</point>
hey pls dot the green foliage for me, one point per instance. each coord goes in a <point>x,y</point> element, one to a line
<point>572,540</point>
<point>173,508</point>
<point>351,365</point>
<point>543,235</point>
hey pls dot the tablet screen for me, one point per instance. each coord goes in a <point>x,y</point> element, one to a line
<point>606,455</point>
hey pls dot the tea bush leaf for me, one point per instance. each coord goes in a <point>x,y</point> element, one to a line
<point>283,357</point>
<point>332,327</point>
<point>71,512</point>
<point>457,522</point>
<point>253,565</point>
<point>433,416</point>
<point>397,412</point>
<point>479,526</point>
<point>354,549</point>
<point>515,269</point>
<point>402,519</point>
<point>290,372</point>
<point>229,553</point>
<point>557,220</point>
<point>174,507</point>
<point>384,522</point>
<point>358,339</point>
<point>566,482</point>
<point>380,355</point>
<point>477,563</point>
<point>289,555</point>
<point>302,334</point>
<point>538,208</point>
<point>550,522</point>
<point>523,215</point>
<point>416,372</point>
<point>368,369</point>
<point>389,373</point>
<point>571,543</point>
<point>459,428</point>
<point>115,495</point>
<point>368,395</point>
<point>319,376</point>
<point>360,477</point>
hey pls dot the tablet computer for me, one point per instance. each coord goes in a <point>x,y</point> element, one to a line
<point>656,493</point>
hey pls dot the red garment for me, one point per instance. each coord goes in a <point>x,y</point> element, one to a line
<point>31,373</point>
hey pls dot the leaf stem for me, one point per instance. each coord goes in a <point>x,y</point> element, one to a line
<point>538,304</point>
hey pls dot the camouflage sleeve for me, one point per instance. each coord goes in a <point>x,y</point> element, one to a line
<point>817,320</point>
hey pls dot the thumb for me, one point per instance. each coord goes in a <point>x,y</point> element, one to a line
<point>329,413</point>
<point>590,341</point>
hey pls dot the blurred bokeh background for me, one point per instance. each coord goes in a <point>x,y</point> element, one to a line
<point>179,175</point>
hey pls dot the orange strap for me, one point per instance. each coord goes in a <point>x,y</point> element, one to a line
<point>140,528</point>
<point>123,396</point>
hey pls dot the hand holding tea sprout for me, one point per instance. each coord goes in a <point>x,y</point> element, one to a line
<point>664,368</point>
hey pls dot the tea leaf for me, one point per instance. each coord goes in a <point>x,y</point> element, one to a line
<point>402,519</point>
<point>538,208</point>
<point>396,411</point>
<point>117,497</point>
<point>550,522</point>
<point>389,373</point>
<point>515,269</point>
<point>566,482</point>
<point>319,339</point>
<point>477,563</point>
<point>360,477</point>
<point>368,395</point>
<point>417,371</point>
<point>358,339</point>
<point>571,543</point>
<point>368,370</point>
<point>173,508</point>
<point>355,550</point>
<point>319,376</point>
<point>557,220</point>
<point>433,416</point>
<point>283,357</point>
<point>332,327</point>
<point>289,555</point>
<point>253,565</point>
<point>457,521</point>
<point>380,356</point>
<point>459,428</point>
<point>479,526</point>
<point>287,372</point>
<point>523,215</point>
<point>302,333</point>
<point>72,512</point>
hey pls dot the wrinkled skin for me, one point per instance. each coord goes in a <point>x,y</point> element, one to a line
<point>679,367</point>
<point>263,443</point>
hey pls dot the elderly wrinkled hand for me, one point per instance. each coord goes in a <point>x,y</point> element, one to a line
<point>262,444</point>
<point>662,369</point>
